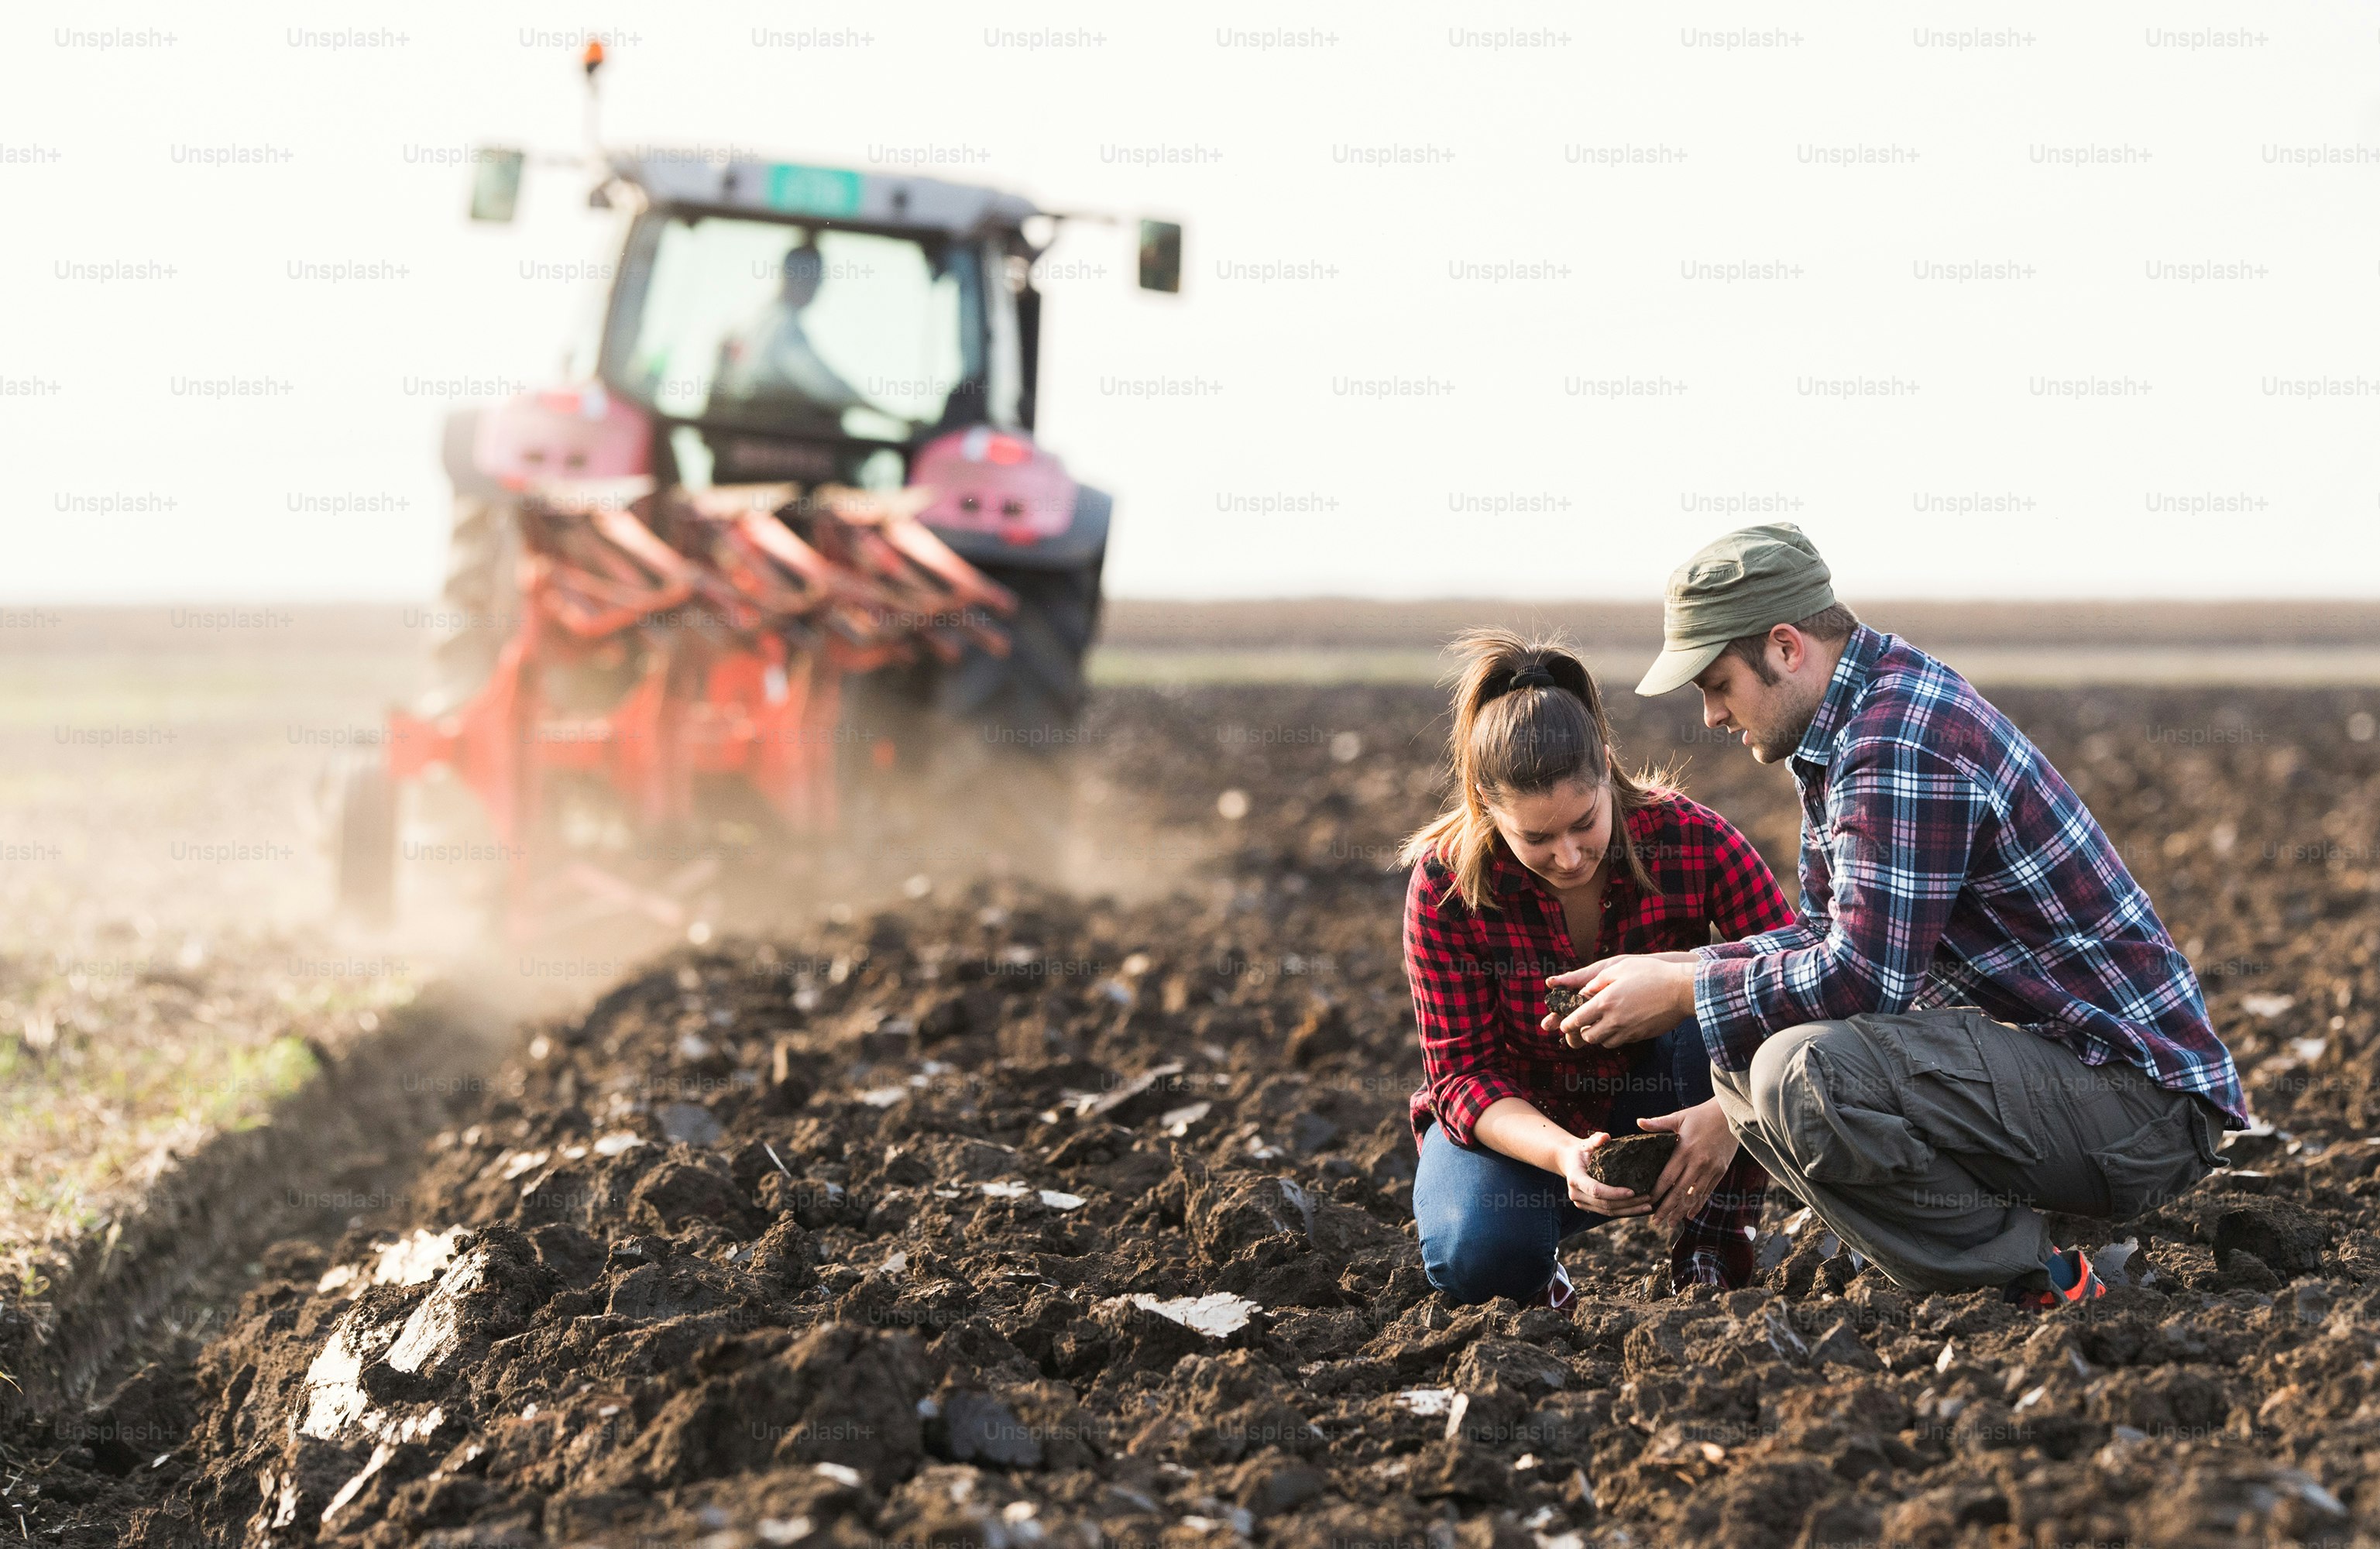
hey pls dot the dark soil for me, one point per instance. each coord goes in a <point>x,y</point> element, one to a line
<point>1007,1218</point>
<point>1632,1162</point>
<point>100,1399</point>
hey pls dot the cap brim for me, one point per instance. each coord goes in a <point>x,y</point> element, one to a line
<point>1677,667</point>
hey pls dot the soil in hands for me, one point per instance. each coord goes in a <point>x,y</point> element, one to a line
<point>1632,1162</point>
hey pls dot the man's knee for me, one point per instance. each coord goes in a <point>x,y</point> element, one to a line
<point>1784,1082</point>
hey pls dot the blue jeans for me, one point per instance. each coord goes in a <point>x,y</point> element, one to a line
<point>1489,1225</point>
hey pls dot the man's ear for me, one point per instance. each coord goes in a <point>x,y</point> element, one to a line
<point>1791,647</point>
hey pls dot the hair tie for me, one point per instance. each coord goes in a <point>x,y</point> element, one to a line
<point>1534,677</point>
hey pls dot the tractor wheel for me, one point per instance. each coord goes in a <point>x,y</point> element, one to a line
<point>365,834</point>
<point>1032,697</point>
<point>1029,700</point>
<point>479,607</point>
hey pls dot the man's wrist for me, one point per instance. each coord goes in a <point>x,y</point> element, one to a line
<point>1681,991</point>
<point>1725,1011</point>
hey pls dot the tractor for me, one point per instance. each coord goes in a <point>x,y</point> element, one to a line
<point>788,527</point>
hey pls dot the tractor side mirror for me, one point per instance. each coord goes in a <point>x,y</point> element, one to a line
<point>495,183</point>
<point>1161,256</point>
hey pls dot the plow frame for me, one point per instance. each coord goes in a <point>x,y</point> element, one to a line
<point>744,609</point>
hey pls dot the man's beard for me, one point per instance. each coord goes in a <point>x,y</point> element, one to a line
<point>1776,745</point>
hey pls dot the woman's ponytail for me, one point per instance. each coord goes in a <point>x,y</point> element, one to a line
<point>1527,717</point>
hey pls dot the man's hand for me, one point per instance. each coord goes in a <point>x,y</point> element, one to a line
<point>1706,1147</point>
<point>1628,999</point>
<point>1589,1194</point>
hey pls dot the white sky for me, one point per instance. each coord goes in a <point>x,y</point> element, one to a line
<point>89,137</point>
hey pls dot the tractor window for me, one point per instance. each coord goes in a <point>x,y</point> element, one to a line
<point>785,327</point>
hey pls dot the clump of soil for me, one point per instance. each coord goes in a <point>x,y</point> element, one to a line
<point>1632,1162</point>
<point>1562,1003</point>
<point>1007,1218</point>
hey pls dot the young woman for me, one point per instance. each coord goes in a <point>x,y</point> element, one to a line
<point>1551,855</point>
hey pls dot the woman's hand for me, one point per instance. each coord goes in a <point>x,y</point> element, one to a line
<point>1589,1194</point>
<point>1705,1148</point>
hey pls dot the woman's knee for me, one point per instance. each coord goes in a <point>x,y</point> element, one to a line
<point>1476,1255</point>
<point>1488,1223</point>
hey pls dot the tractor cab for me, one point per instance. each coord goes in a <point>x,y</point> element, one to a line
<point>770,322</point>
<point>781,321</point>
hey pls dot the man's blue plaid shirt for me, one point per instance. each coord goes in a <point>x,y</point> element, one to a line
<point>1945,862</point>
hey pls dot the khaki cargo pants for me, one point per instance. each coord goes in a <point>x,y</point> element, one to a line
<point>1933,1140</point>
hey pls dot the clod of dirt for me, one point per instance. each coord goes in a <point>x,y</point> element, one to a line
<point>1525,1368</point>
<point>1321,1032</point>
<point>2288,1237</point>
<point>675,1191</point>
<point>2245,1271</point>
<point>840,1395</point>
<point>1562,1003</point>
<point>1632,1162</point>
<point>1840,1345</point>
<point>1269,1487</point>
<point>977,1427</point>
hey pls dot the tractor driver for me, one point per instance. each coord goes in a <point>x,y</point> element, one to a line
<point>770,363</point>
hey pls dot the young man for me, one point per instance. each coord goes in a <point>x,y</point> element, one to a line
<point>1978,1016</point>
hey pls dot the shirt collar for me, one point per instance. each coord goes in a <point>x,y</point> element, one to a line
<point>1844,691</point>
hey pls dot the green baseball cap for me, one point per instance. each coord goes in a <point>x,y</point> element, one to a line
<point>1746,583</point>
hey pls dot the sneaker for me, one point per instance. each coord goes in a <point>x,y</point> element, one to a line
<point>1558,1292</point>
<point>2066,1276</point>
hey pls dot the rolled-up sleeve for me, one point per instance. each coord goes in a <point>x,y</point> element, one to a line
<point>1901,823</point>
<point>1454,991</point>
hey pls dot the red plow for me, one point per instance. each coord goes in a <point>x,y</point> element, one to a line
<point>668,637</point>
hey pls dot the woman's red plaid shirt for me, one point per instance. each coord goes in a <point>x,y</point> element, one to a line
<point>1479,987</point>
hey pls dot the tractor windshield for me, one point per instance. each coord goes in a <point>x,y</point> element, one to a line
<point>795,329</point>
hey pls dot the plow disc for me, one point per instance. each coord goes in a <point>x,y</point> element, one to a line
<point>667,636</point>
